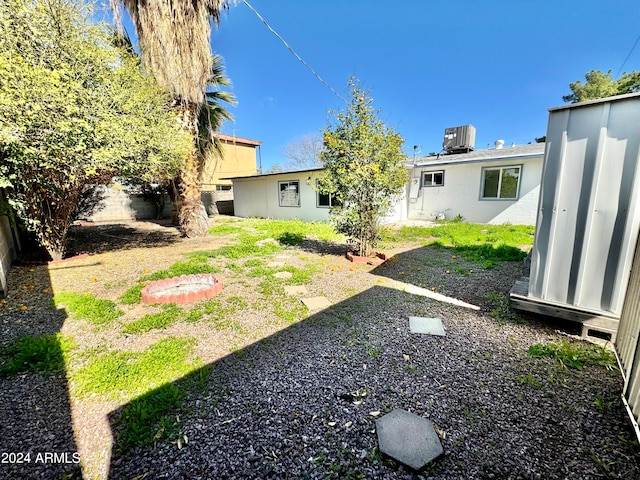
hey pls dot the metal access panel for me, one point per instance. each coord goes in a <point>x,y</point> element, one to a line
<point>589,207</point>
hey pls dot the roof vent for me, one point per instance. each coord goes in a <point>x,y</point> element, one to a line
<point>459,139</point>
<point>499,144</point>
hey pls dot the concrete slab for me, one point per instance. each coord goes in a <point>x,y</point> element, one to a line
<point>294,290</point>
<point>429,326</point>
<point>283,275</point>
<point>408,438</point>
<point>275,264</point>
<point>316,303</point>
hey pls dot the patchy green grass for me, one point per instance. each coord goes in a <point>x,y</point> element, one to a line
<point>132,295</point>
<point>502,310</point>
<point>300,276</point>
<point>196,265</point>
<point>254,230</point>
<point>482,244</point>
<point>270,286</point>
<point>246,248</point>
<point>290,310</point>
<point>576,354</point>
<point>154,415</point>
<point>123,375</point>
<point>253,262</point>
<point>87,307</point>
<point>153,321</point>
<point>45,353</point>
<point>148,419</point>
<point>226,229</point>
<point>218,312</point>
<point>292,232</point>
<point>260,271</point>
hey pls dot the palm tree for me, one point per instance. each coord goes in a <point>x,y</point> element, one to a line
<point>211,117</point>
<point>174,39</point>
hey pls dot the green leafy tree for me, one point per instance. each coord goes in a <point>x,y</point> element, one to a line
<point>75,111</point>
<point>364,170</point>
<point>600,85</point>
<point>174,39</point>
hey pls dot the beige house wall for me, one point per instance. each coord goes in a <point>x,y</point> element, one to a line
<point>239,159</point>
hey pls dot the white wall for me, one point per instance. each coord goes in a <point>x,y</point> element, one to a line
<point>259,197</point>
<point>460,194</point>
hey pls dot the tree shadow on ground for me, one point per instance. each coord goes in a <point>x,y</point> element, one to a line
<point>101,238</point>
<point>302,403</point>
<point>36,431</point>
<point>458,272</point>
<point>322,247</point>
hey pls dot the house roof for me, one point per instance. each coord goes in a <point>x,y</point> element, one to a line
<point>268,174</point>
<point>488,155</point>
<point>233,139</point>
<point>532,150</point>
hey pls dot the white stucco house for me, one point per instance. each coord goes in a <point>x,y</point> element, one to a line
<point>289,195</point>
<point>495,185</point>
<point>498,185</point>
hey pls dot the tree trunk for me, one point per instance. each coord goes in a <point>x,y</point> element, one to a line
<point>194,220</point>
<point>192,215</point>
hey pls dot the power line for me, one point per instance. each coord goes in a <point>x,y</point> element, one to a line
<point>628,55</point>
<point>293,51</point>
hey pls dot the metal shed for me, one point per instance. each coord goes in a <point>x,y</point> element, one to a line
<point>588,215</point>
<point>628,344</point>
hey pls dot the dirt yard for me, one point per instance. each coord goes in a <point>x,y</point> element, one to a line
<point>272,389</point>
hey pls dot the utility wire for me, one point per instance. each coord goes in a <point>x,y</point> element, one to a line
<point>293,51</point>
<point>628,55</point>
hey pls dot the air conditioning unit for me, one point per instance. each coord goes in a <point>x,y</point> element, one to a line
<point>459,139</point>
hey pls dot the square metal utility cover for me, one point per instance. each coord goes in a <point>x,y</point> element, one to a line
<point>430,326</point>
<point>408,438</point>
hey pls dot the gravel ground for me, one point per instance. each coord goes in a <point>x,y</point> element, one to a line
<point>300,400</point>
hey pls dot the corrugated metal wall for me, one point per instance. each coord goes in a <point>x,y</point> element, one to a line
<point>589,207</point>
<point>627,344</point>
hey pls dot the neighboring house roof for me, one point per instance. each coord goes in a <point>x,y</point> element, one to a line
<point>268,174</point>
<point>532,150</point>
<point>237,140</point>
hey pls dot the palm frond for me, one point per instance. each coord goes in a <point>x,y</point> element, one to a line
<point>174,39</point>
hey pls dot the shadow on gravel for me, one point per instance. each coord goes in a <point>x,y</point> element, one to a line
<point>101,238</point>
<point>440,269</point>
<point>302,403</point>
<point>36,431</point>
<point>445,270</point>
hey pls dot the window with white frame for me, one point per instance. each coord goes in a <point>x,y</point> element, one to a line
<point>433,179</point>
<point>501,182</point>
<point>289,193</point>
<point>326,200</point>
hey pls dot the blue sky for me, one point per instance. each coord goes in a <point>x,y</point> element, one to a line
<point>430,65</point>
<point>498,65</point>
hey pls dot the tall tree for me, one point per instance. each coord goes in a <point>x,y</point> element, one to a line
<point>364,170</point>
<point>74,112</point>
<point>599,85</point>
<point>174,39</point>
